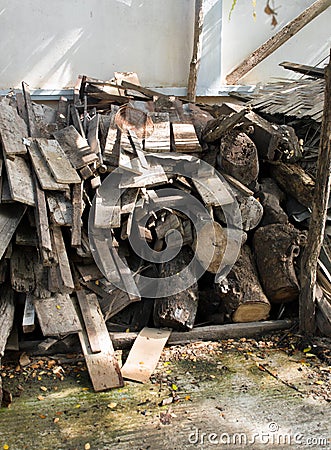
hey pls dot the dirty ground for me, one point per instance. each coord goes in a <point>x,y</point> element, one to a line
<point>243,393</point>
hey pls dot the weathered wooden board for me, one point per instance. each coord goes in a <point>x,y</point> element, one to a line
<point>75,147</point>
<point>13,130</point>
<point>42,170</point>
<point>76,120</point>
<point>93,134</point>
<point>159,141</point>
<point>112,145</point>
<point>7,309</point>
<point>103,367</point>
<point>57,315</point>
<point>20,180</point>
<point>153,176</point>
<point>63,261</point>
<point>212,191</point>
<point>28,322</point>
<point>77,211</point>
<point>145,354</point>
<point>60,208</point>
<point>185,138</point>
<point>89,308</point>
<point>10,217</point>
<point>57,161</point>
<point>107,214</point>
<point>21,269</point>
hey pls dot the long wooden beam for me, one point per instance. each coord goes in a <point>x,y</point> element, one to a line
<point>318,217</point>
<point>197,49</point>
<point>277,40</point>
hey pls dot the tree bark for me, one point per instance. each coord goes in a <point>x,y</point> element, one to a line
<point>242,294</point>
<point>318,218</point>
<point>177,311</point>
<point>275,247</point>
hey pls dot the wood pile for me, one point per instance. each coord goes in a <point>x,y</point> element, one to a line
<point>56,282</point>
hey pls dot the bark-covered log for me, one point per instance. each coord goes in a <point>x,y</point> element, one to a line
<point>238,157</point>
<point>276,246</point>
<point>210,245</point>
<point>271,197</point>
<point>294,180</point>
<point>242,294</point>
<point>177,311</point>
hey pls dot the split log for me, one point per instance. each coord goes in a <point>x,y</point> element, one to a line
<point>177,311</point>
<point>294,180</point>
<point>276,246</point>
<point>209,246</point>
<point>238,157</point>
<point>242,294</point>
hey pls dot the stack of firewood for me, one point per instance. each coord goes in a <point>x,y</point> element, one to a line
<point>53,168</point>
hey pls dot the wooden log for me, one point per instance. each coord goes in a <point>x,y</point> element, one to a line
<point>197,50</point>
<point>294,180</point>
<point>209,246</point>
<point>276,246</point>
<point>271,197</point>
<point>177,311</point>
<point>242,294</point>
<point>210,333</point>
<point>277,40</point>
<point>238,157</point>
<point>318,217</point>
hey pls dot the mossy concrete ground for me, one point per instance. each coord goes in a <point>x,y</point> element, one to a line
<point>202,396</point>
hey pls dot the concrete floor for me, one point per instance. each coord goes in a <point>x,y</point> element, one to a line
<point>223,398</point>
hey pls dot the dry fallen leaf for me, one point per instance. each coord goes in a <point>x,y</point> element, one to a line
<point>112,405</point>
<point>56,420</point>
<point>43,388</point>
<point>87,446</point>
<point>40,398</point>
<point>24,360</point>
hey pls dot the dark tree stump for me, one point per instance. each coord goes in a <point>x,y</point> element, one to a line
<point>238,157</point>
<point>177,311</point>
<point>271,197</point>
<point>276,246</point>
<point>242,294</point>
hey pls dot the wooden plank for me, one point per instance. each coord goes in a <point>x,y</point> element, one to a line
<point>60,208</point>
<point>57,315</point>
<point>77,211</point>
<point>20,180</point>
<point>93,135</point>
<point>148,92</point>
<point>103,366</point>
<point>304,69</point>
<point>28,322</point>
<point>57,161</point>
<point>76,120</point>
<point>21,108</point>
<point>32,122</point>
<point>42,224</point>
<point>107,214</point>
<point>213,191</point>
<point>75,147</point>
<point>159,140</point>
<point>13,131</point>
<point>87,304</point>
<point>63,261</point>
<point>10,217</point>
<point>7,309</point>
<point>128,200</point>
<point>153,176</point>
<point>145,354</point>
<point>282,36</point>
<point>185,138</point>
<point>42,170</point>
<point>21,269</point>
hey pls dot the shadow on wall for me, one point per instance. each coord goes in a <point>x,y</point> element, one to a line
<point>47,43</point>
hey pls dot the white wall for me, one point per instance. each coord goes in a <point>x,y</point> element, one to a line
<point>47,43</point>
<point>242,34</point>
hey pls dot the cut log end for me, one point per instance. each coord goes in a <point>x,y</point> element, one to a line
<point>252,312</point>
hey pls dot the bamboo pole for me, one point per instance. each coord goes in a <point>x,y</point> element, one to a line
<point>318,217</point>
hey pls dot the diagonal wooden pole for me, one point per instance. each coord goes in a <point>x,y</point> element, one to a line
<point>318,217</point>
<point>277,40</point>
